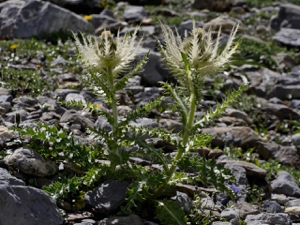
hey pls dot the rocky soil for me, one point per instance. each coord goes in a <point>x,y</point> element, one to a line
<point>256,138</point>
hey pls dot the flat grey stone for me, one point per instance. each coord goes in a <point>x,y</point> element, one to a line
<point>73,117</point>
<point>270,218</point>
<point>239,136</point>
<point>155,70</point>
<point>285,184</point>
<point>29,162</point>
<point>229,214</point>
<point>284,92</point>
<point>291,203</point>
<point>288,16</point>
<point>221,223</point>
<point>134,13</point>
<point>11,117</point>
<point>270,206</point>
<point>62,93</point>
<point>7,179</point>
<point>296,139</point>
<point>278,109</point>
<point>24,205</point>
<point>288,36</point>
<point>107,197</point>
<point>75,97</point>
<point>183,201</point>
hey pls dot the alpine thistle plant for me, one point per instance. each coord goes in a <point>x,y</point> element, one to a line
<point>109,63</point>
<point>191,59</point>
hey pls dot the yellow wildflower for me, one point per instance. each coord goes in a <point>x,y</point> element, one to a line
<point>88,17</point>
<point>14,46</point>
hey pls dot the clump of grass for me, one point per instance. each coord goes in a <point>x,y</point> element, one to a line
<point>25,82</point>
<point>259,53</point>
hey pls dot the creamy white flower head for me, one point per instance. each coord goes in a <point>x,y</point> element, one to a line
<point>107,51</point>
<point>201,50</point>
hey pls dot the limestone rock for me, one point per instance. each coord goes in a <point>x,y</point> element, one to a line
<point>227,23</point>
<point>154,70</point>
<point>107,197</point>
<point>251,169</point>
<point>24,205</point>
<point>240,136</point>
<point>295,210</point>
<point>288,36</point>
<point>288,16</point>
<point>80,6</point>
<point>32,18</point>
<point>132,219</point>
<point>76,119</point>
<point>30,162</point>
<point>285,184</point>
<point>285,92</point>
<point>269,218</point>
<point>134,13</point>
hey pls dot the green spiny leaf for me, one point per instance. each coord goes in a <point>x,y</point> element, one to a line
<point>169,213</point>
<point>121,83</point>
<point>141,111</point>
<point>220,108</point>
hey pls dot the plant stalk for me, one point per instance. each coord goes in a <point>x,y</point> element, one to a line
<point>115,124</point>
<point>185,147</point>
<point>113,101</point>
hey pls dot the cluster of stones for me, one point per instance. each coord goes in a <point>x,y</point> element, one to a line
<point>277,97</point>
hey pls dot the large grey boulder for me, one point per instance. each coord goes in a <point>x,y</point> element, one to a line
<point>32,18</point>
<point>284,92</point>
<point>20,204</point>
<point>288,36</point>
<point>134,13</point>
<point>80,6</point>
<point>107,197</point>
<point>239,136</point>
<point>155,70</point>
<point>288,16</point>
<point>269,218</point>
<point>278,109</point>
<point>285,184</point>
<point>29,162</point>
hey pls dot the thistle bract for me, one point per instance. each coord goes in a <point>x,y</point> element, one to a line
<point>197,51</point>
<point>108,51</point>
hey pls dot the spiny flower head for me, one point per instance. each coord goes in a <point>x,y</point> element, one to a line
<point>201,50</point>
<point>107,51</point>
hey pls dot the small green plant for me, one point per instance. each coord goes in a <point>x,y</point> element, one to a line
<point>23,82</point>
<point>56,144</point>
<point>258,53</point>
<point>259,3</point>
<point>255,194</point>
<point>272,167</point>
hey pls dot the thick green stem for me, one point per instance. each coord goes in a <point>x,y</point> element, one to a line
<point>115,124</point>
<point>186,135</point>
<point>113,101</point>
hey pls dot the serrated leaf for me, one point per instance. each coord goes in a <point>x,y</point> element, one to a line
<point>121,83</point>
<point>169,213</point>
